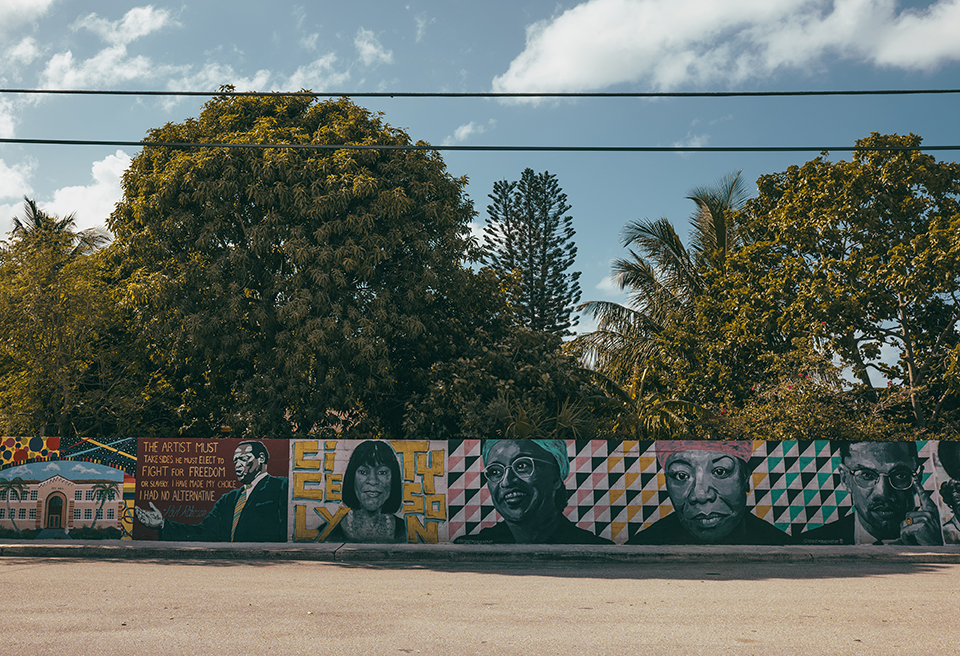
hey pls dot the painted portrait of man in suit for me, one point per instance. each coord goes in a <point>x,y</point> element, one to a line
<point>256,511</point>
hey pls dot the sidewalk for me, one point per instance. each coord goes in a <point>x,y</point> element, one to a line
<point>452,553</point>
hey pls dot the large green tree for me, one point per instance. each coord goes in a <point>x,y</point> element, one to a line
<point>864,257</point>
<point>528,236</point>
<point>283,291</point>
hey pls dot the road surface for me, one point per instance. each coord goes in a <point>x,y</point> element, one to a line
<point>104,607</point>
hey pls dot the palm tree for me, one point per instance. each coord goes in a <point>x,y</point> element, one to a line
<point>663,278</point>
<point>37,224</point>
<point>104,492</point>
<point>9,488</point>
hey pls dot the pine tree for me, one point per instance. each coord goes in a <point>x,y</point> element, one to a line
<point>527,237</point>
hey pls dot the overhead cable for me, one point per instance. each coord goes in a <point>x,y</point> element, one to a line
<point>571,149</point>
<point>490,94</point>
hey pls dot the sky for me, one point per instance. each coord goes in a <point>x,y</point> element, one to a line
<point>495,45</point>
<point>70,470</point>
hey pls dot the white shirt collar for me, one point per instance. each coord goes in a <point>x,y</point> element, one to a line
<point>253,484</point>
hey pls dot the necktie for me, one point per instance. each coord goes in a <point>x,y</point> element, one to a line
<point>241,502</point>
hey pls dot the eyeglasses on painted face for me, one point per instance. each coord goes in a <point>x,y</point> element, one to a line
<point>900,479</point>
<point>522,467</point>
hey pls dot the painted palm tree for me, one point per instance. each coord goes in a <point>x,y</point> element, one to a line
<point>103,492</point>
<point>10,488</point>
<point>663,279</point>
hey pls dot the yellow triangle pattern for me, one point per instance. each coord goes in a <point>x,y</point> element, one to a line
<point>615,496</point>
<point>616,528</point>
<point>763,511</point>
<point>612,462</point>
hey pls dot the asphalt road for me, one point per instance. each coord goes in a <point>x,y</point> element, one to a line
<point>68,606</point>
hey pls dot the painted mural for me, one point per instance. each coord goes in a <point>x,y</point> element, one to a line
<point>368,491</point>
<point>482,492</point>
<point>213,490</point>
<point>70,488</point>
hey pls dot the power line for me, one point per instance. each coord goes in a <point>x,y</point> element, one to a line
<point>490,94</point>
<point>569,149</point>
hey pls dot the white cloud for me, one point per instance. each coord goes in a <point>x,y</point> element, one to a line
<point>422,27</point>
<point>20,471</point>
<point>15,180</point>
<point>51,467</point>
<point>24,52</point>
<point>214,75</point>
<point>310,41</point>
<point>476,231</point>
<point>466,131</point>
<point>84,470</point>
<point>113,64</point>
<point>609,286</point>
<point>8,119</point>
<point>692,141</point>
<point>109,66</point>
<point>668,43</point>
<point>316,76</point>
<point>370,50</point>
<point>92,203</point>
<point>138,22</point>
<point>15,12</point>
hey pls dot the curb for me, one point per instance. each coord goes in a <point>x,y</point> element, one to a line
<point>473,554</point>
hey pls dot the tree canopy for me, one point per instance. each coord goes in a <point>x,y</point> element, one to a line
<point>286,290</point>
<point>57,327</point>
<point>864,257</point>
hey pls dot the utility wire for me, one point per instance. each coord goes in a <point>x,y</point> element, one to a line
<point>489,94</point>
<point>569,149</point>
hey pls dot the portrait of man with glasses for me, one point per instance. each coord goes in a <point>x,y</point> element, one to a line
<point>526,480</point>
<point>890,505</point>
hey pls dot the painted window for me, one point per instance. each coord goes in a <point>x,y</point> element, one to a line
<point>76,512</point>
<point>3,513</point>
<point>110,513</point>
<point>88,513</point>
<point>89,495</point>
<point>99,513</point>
<point>33,495</point>
<point>33,513</point>
<point>22,514</point>
<point>78,495</point>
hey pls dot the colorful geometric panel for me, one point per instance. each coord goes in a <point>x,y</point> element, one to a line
<point>795,485</point>
<point>614,488</point>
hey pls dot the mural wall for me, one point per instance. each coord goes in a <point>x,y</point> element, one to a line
<point>489,492</point>
<point>71,488</point>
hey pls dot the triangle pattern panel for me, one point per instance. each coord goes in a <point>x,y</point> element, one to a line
<point>800,486</point>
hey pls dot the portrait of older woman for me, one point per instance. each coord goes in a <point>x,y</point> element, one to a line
<point>526,483</point>
<point>708,483</point>
<point>372,492</point>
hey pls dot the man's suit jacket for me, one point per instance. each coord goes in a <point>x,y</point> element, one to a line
<point>264,517</point>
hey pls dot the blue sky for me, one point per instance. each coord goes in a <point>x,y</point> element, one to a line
<point>498,45</point>
<point>70,470</point>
